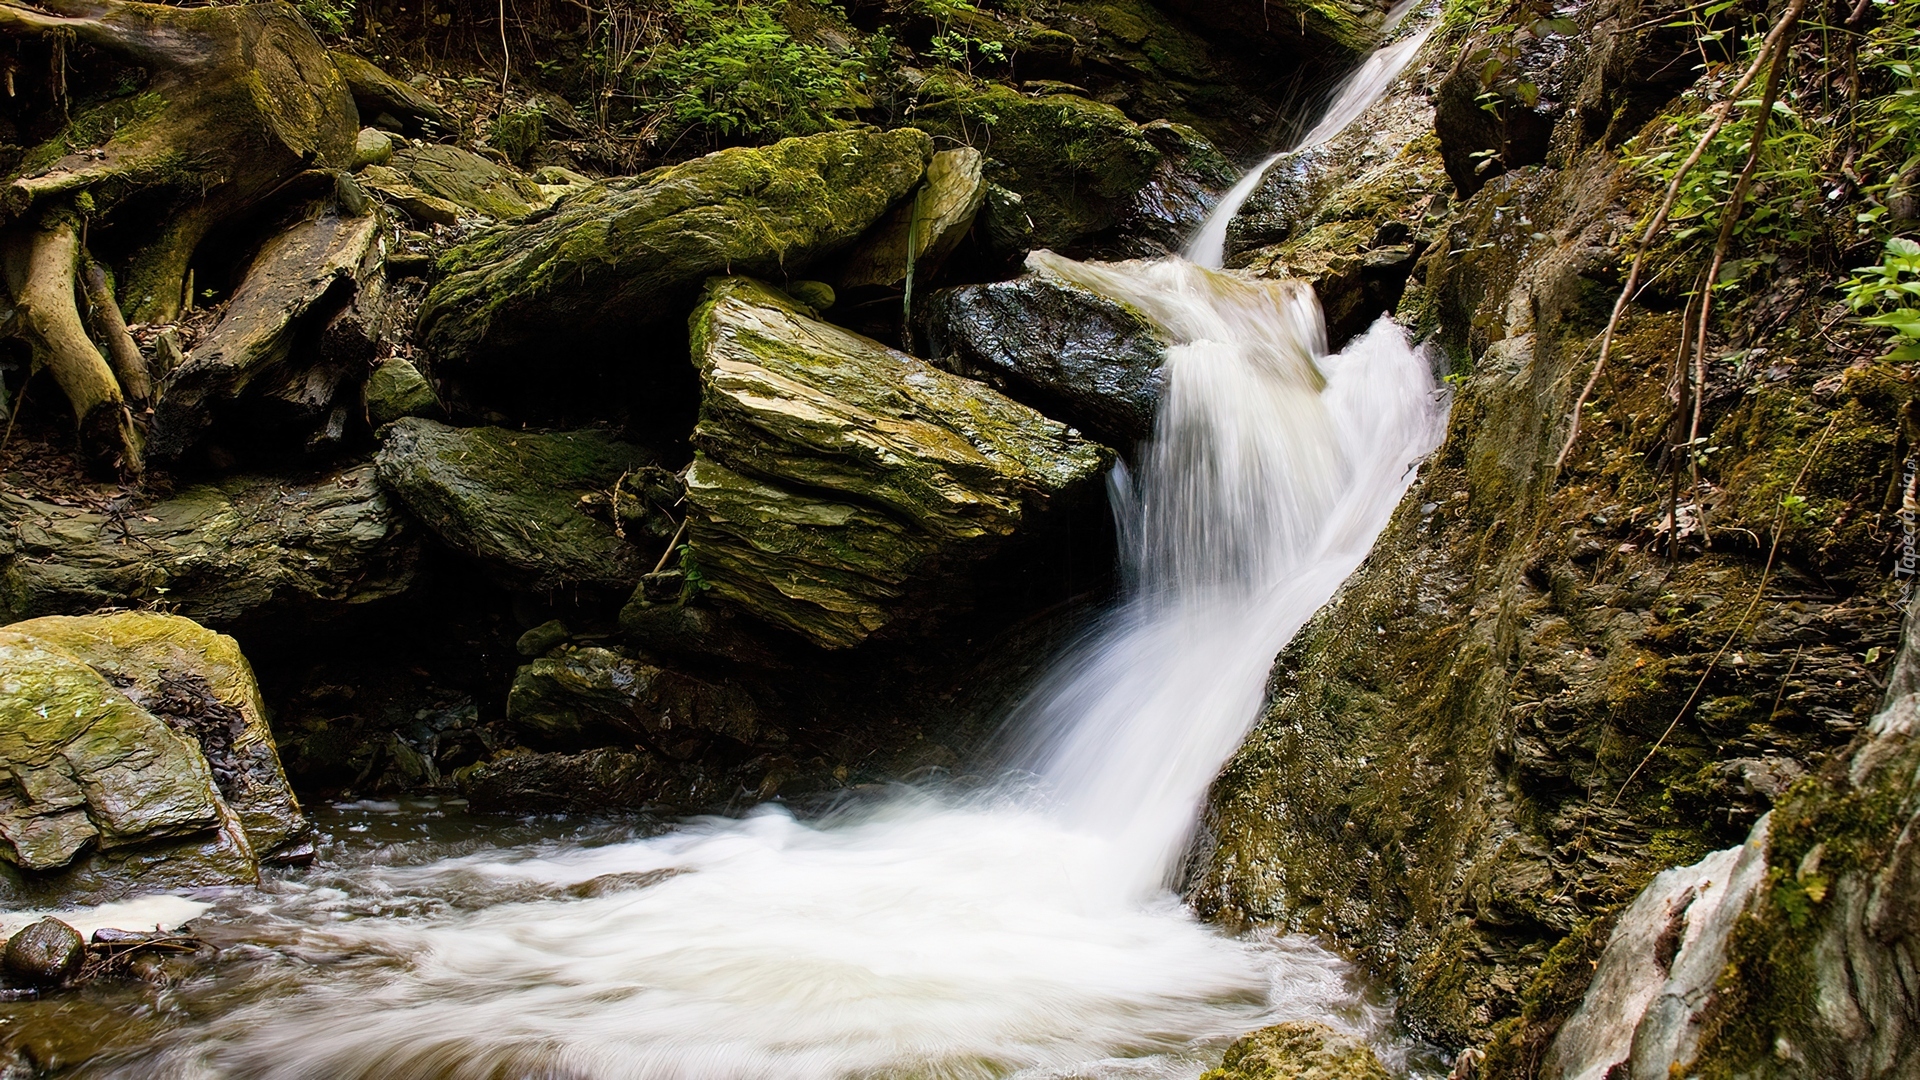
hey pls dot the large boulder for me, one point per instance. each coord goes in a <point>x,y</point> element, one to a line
<point>834,476</point>
<point>121,754</point>
<point>622,253</point>
<point>513,500</point>
<point>201,685</point>
<point>1069,351</point>
<point>219,553</point>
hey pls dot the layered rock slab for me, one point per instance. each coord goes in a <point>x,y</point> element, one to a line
<point>626,252</point>
<point>241,547</point>
<point>833,476</point>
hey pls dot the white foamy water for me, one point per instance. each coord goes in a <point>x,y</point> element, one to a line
<point>1025,932</point>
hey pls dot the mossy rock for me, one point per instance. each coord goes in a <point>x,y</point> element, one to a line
<point>513,499</point>
<point>201,685</point>
<point>243,547</point>
<point>1076,164</point>
<point>625,253</point>
<point>931,224</point>
<point>1299,1051</point>
<point>395,389</point>
<point>468,180</point>
<point>832,473</point>
<point>101,798</point>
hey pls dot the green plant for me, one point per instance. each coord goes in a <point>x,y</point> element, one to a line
<point>739,73</point>
<point>1890,292</point>
<point>328,16</point>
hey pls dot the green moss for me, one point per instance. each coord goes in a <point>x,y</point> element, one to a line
<point>94,127</point>
<point>626,252</point>
<point>1073,162</point>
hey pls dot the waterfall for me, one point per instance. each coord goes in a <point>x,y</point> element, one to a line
<point>1359,90</point>
<point>1023,931</point>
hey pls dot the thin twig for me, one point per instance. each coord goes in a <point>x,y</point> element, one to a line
<point>1766,573</point>
<point>506,59</point>
<point>671,544</point>
<point>13,414</point>
<point>1659,219</point>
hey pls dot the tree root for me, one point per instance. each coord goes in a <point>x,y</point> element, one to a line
<point>111,327</point>
<point>41,274</point>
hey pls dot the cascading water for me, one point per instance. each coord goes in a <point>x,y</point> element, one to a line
<point>1361,89</point>
<point>1020,932</point>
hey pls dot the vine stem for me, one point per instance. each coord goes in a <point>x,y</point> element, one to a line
<point>1767,50</point>
<point>1721,246</point>
<point>1766,574</point>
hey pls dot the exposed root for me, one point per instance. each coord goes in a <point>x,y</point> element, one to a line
<point>111,327</point>
<point>1768,50</point>
<point>41,280</point>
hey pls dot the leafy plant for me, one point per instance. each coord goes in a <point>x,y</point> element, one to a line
<point>1891,292</point>
<point>740,73</point>
<point>328,16</point>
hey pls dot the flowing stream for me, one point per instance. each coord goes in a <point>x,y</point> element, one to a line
<point>1026,930</point>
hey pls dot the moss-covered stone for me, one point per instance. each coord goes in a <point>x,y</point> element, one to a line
<point>513,499</point>
<point>1076,164</point>
<point>101,798</point>
<point>246,546</point>
<point>623,253</point>
<point>395,389</point>
<point>1299,1051</point>
<point>833,473</point>
<point>468,180</point>
<point>199,683</point>
<point>931,224</point>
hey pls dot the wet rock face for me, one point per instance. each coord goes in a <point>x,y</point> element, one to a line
<point>625,253</point>
<point>1353,215</point>
<point>834,478</point>
<point>1299,1051</point>
<point>1537,694</point>
<point>512,500</point>
<point>138,758</point>
<point>45,954</point>
<point>1075,354</point>
<point>243,547</point>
